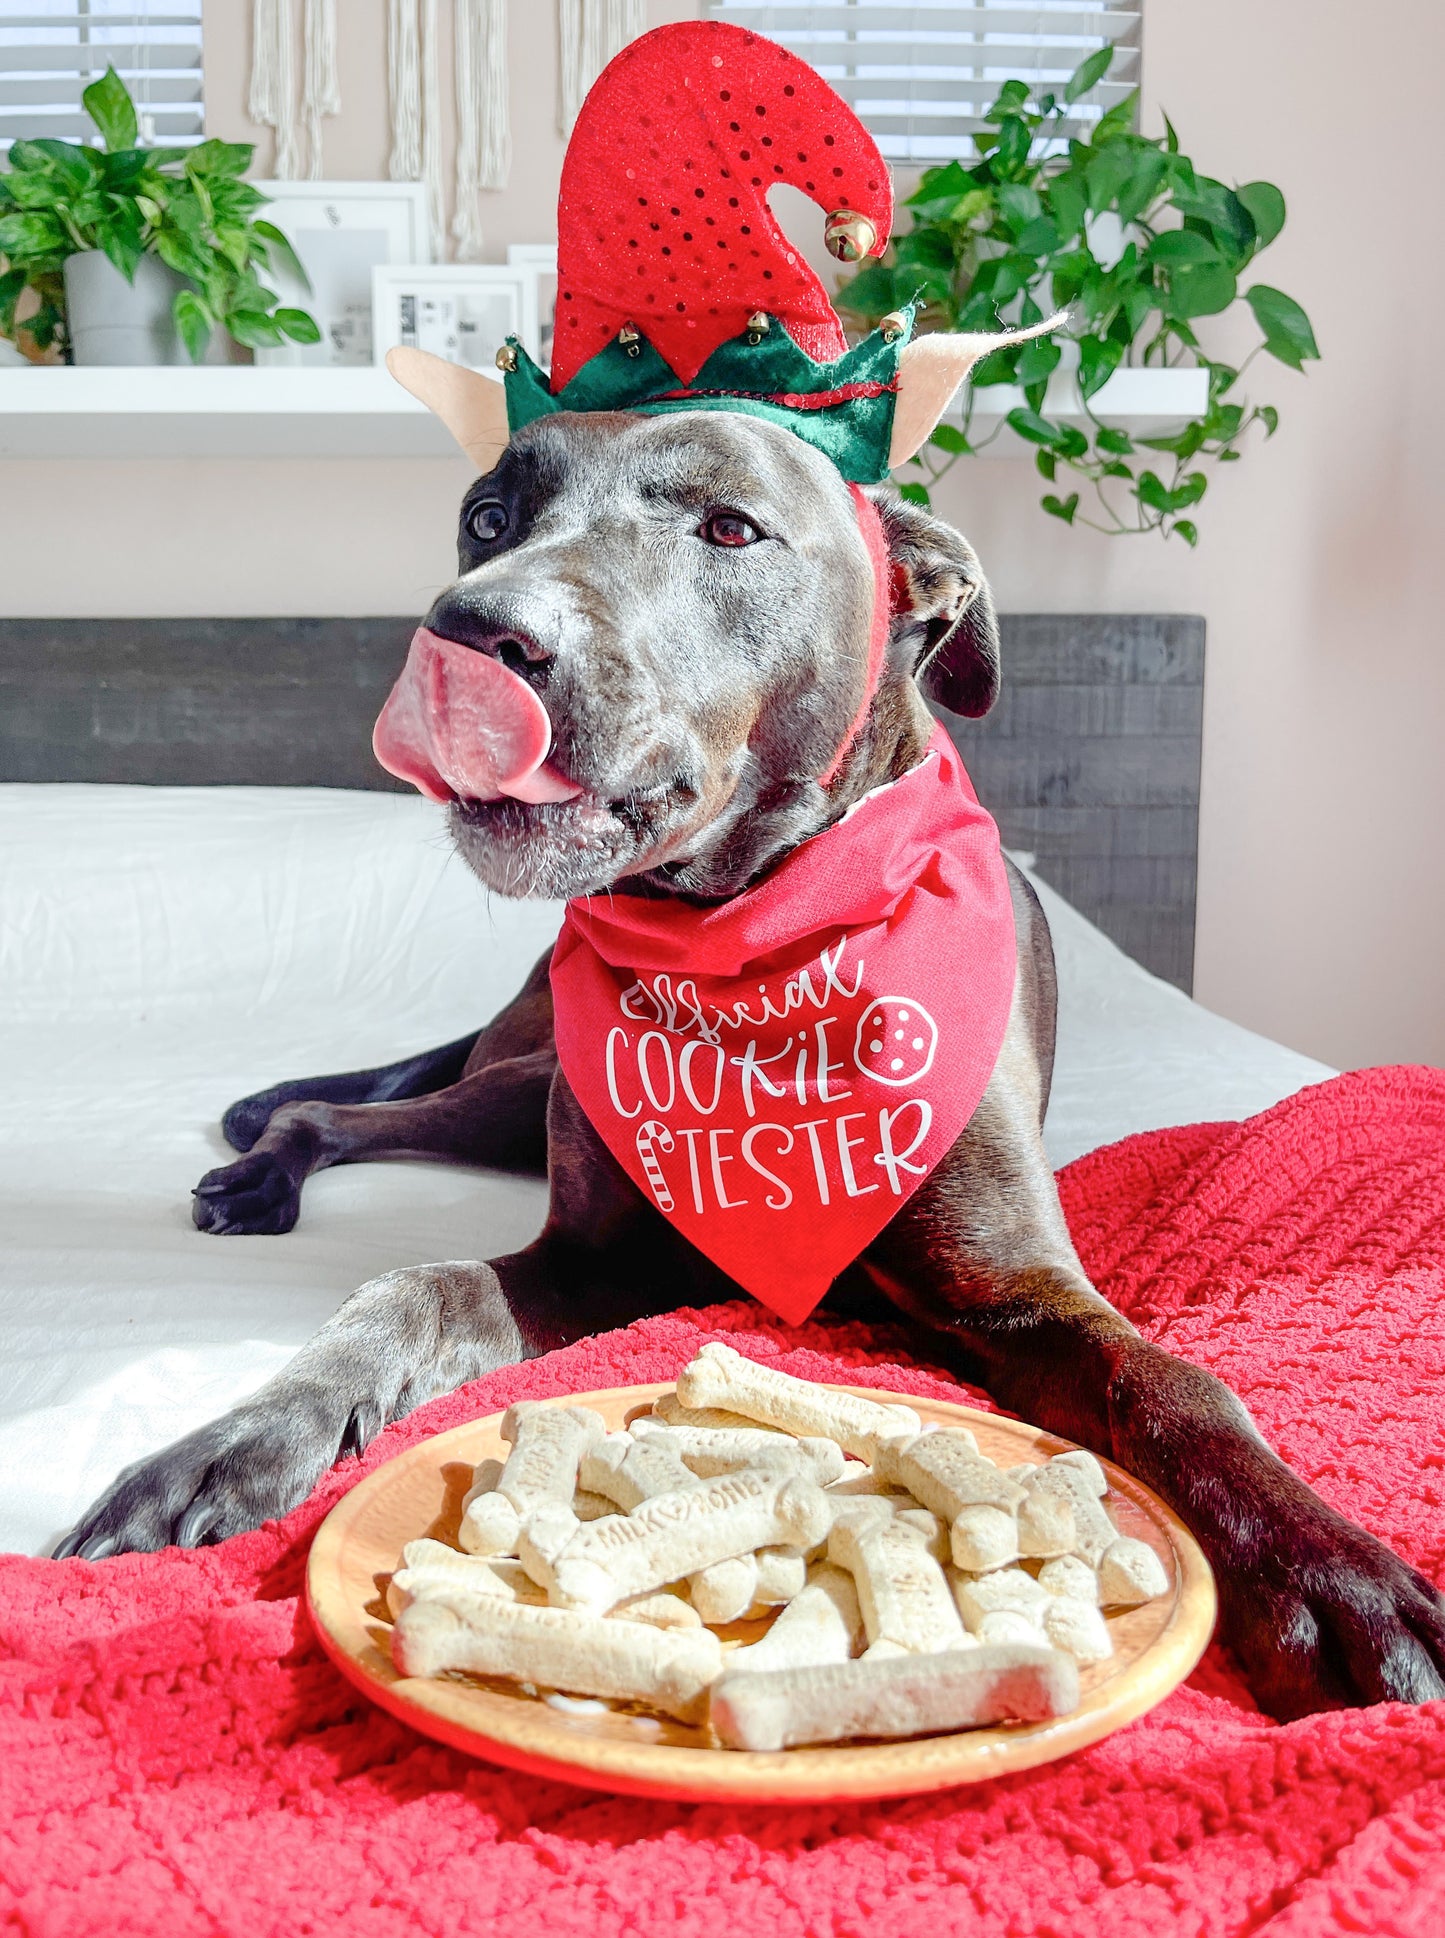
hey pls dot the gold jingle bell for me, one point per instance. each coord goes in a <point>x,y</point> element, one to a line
<point>507,357</point>
<point>759,323</point>
<point>630,340</point>
<point>848,235</point>
<point>893,325</point>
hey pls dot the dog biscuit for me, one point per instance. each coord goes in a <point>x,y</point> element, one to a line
<point>1130,1573</point>
<point>1064,1477</point>
<point>947,1473</point>
<point>1005,1591</point>
<point>710,1451</point>
<point>547,1444</point>
<point>984,1538</point>
<point>726,1590</point>
<point>902,1590</point>
<point>1070,1577</point>
<point>629,1471</point>
<point>720,1377</point>
<point>668,1408</point>
<point>431,1565</point>
<point>588,1506</point>
<point>778,1709</point>
<point>1078,1629</point>
<point>858,1481</point>
<point>664,1609</point>
<point>558,1648</point>
<point>781,1575</point>
<point>822,1623</point>
<point>679,1534</point>
<point>1047,1524</point>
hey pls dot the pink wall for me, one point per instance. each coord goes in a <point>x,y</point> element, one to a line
<point>1320,571</point>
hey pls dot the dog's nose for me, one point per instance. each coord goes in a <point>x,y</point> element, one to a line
<point>523,648</point>
<point>519,652</point>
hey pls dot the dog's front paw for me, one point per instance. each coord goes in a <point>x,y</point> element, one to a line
<point>255,1194</point>
<point>1325,1616</point>
<point>250,1466</point>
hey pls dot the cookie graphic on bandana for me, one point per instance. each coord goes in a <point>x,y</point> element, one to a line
<point>896,1040</point>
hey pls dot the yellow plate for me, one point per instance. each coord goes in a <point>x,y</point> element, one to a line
<point>420,1492</point>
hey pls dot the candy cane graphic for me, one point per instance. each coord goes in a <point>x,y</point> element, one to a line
<point>649,1134</point>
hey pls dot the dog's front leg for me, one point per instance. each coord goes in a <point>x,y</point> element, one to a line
<point>400,1340</point>
<point>1319,1612</point>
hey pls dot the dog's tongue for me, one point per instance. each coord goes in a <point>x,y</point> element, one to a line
<point>459,726</point>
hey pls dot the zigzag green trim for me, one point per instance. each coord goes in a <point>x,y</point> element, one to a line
<point>770,378</point>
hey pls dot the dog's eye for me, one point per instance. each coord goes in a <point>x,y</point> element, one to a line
<point>727,528</point>
<point>487,521</point>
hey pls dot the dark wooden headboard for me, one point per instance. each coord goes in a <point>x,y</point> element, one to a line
<point>1090,761</point>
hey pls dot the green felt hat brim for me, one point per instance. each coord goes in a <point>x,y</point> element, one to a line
<point>759,374</point>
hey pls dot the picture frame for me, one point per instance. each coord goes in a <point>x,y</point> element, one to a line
<point>342,231</point>
<point>462,312</point>
<point>540,260</point>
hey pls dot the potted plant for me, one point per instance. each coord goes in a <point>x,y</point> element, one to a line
<point>1024,230</point>
<point>131,254</point>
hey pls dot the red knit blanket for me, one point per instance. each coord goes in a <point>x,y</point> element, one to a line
<point>176,1756</point>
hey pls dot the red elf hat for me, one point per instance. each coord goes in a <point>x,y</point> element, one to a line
<point>676,288</point>
<point>663,221</point>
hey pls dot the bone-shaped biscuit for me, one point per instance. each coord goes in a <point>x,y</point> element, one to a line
<point>718,1450</point>
<point>673,1535</point>
<point>668,1408</point>
<point>1066,1478</point>
<point>1130,1573</point>
<point>631,1471</point>
<point>720,1377</point>
<point>902,1591</point>
<point>781,1575</point>
<point>907,1695</point>
<point>559,1648</point>
<point>822,1623</point>
<point>1006,1591</point>
<point>547,1444</point>
<point>664,1609</point>
<point>950,1476</point>
<point>1066,1575</point>
<point>1078,1628</point>
<point>725,1591</point>
<point>900,1511</point>
<point>431,1566</point>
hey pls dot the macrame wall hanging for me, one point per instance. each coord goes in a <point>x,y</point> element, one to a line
<point>272,99</point>
<point>591,32</point>
<point>484,140</point>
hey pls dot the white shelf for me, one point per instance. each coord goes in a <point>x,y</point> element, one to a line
<point>240,412</point>
<point>1145,403</point>
<point>226,412</point>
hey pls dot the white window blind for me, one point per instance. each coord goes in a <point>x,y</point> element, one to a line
<point>922,76</point>
<point>51,51</point>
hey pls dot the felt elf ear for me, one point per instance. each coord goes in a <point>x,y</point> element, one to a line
<point>472,406</point>
<point>929,374</point>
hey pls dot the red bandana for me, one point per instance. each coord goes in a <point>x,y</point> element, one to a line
<point>780,1072</point>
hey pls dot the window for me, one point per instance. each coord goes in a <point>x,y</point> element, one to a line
<point>921,76</point>
<point>51,51</point>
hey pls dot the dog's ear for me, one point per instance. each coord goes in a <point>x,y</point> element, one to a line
<point>929,374</point>
<point>472,406</point>
<point>943,612</point>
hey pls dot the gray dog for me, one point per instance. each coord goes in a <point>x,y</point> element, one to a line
<point>689,597</point>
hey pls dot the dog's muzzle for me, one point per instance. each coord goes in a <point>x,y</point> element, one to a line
<point>460,726</point>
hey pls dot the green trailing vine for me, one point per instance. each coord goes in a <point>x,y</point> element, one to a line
<point>187,206</point>
<point>1016,234</point>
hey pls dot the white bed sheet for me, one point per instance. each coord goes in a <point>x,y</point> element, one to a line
<point>163,951</point>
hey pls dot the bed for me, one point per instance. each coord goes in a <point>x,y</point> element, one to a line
<point>166,949</point>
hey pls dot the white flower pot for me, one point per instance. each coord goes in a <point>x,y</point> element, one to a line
<point>114,322</point>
